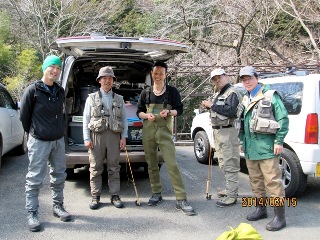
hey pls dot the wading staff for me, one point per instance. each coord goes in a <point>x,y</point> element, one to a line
<point>208,197</point>
<point>137,202</point>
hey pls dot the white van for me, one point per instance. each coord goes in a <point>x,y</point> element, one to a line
<point>131,60</point>
<point>301,155</point>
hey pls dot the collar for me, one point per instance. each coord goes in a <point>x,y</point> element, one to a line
<point>225,88</point>
<point>254,92</point>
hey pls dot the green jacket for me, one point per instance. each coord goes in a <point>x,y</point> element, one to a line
<point>258,146</point>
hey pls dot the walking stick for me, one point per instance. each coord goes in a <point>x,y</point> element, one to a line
<point>137,202</point>
<point>208,196</point>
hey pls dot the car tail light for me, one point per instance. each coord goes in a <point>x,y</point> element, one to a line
<point>137,124</point>
<point>312,129</point>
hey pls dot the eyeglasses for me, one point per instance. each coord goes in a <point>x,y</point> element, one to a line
<point>247,79</point>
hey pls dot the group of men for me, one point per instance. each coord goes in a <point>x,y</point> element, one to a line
<point>260,120</point>
<point>105,131</point>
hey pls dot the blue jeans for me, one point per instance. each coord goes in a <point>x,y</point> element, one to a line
<point>43,153</point>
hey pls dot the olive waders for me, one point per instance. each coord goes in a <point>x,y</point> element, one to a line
<point>158,134</point>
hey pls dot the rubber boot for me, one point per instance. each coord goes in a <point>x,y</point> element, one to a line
<point>279,220</point>
<point>259,213</point>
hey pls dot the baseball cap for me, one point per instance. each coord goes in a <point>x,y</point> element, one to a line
<point>106,72</point>
<point>248,71</point>
<point>217,72</point>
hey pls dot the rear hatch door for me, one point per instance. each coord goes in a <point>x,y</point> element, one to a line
<point>142,48</point>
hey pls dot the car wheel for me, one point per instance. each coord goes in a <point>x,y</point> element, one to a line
<point>70,173</point>
<point>201,147</point>
<point>22,149</point>
<point>293,178</point>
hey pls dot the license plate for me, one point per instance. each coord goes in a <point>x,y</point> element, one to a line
<point>318,170</point>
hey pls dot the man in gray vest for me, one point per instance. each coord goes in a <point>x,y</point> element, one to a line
<point>223,109</point>
<point>105,130</point>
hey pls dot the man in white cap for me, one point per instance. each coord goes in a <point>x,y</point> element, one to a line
<point>223,109</point>
<point>105,130</point>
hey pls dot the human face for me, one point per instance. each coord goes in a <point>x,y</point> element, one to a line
<point>106,83</point>
<point>249,82</point>
<point>51,74</point>
<point>158,74</point>
<point>220,81</point>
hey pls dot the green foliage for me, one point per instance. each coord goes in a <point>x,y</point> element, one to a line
<point>29,65</point>
<point>286,27</point>
<point>4,27</point>
<point>27,68</point>
<point>6,60</point>
<point>130,21</point>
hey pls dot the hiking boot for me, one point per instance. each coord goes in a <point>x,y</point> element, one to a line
<point>95,202</point>
<point>60,212</point>
<point>155,199</point>
<point>185,207</point>
<point>33,221</point>
<point>226,201</point>
<point>222,193</point>
<point>259,212</point>
<point>116,201</point>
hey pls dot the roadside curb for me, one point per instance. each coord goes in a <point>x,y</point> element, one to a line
<point>184,143</point>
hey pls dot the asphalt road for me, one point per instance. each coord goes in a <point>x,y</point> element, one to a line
<point>163,222</point>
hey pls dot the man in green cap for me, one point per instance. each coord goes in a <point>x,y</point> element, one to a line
<point>42,115</point>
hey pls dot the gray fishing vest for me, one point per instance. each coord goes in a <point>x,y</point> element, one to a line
<point>102,118</point>
<point>262,120</point>
<point>218,119</point>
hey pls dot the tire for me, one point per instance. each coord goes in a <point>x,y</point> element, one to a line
<point>70,173</point>
<point>201,147</point>
<point>22,149</point>
<point>0,153</point>
<point>293,178</point>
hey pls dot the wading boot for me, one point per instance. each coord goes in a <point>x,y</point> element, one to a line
<point>279,220</point>
<point>222,193</point>
<point>33,221</point>
<point>185,207</point>
<point>95,202</point>
<point>116,201</point>
<point>60,212</point>
<point>155,199</point>
<point>259,213</point>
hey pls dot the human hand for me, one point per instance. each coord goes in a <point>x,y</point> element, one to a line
<point>240,148</point>
<point>122,143</point>
<point>151,117</point>
<point>277,150</point>
<point>88,144</point>
<point>206,103</point>
<point>164,113</point>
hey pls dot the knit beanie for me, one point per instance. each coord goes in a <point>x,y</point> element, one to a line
<point>51,60</point>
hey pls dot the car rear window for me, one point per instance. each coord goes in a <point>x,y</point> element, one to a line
<point>291,94</point>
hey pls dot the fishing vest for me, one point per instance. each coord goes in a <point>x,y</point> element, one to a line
<point>262,119</point>
<point>102,118</point>
<point>218,119</point>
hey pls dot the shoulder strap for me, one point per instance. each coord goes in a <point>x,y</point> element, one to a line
<point>166,96</point>
<point>268,94</point>
<point>148,95</point>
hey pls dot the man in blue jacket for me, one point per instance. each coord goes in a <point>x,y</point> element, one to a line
<point>42,115</point>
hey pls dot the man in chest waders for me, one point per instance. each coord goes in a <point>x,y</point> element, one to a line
<point>157,105</point>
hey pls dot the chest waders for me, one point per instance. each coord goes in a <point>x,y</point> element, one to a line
<point>158,134</point>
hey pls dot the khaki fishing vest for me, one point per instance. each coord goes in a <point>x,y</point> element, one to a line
<point>102,118</point>
<point>218,119</point>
